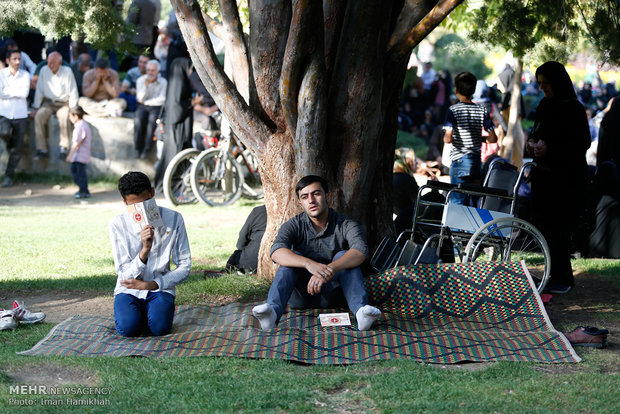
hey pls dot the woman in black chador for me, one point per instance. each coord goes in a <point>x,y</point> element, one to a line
<point>177,115</point>
<point>558,141</point>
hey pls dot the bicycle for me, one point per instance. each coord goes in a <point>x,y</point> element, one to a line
<point>221,175</point>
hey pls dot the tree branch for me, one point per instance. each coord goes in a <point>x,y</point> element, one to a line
<point>248,127</point>
<point>294,61</point>
<point>412,12</point>
<point>309,142</point>
<point>404,45</point>
<point>269,22</point>
<point>235,46</point>
<point>333,12</point>
<point>214,26</point>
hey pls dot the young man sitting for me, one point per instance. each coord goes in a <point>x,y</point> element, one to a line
<point>145,288</point>
<point>317,250</point>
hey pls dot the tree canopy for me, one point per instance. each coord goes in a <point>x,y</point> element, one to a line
<point>549,29</point>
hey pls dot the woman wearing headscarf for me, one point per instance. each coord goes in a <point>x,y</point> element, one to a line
<point>177,115</point>
<point>559,140</point>
<point>609,136</point>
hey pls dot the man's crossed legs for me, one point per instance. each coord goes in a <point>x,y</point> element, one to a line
<point>290,286</point>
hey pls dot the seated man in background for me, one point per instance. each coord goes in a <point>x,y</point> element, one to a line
<point>151,94</point>
<point>318,251</point>
<point>55,92</point>
<point>245,258</point>
<point>129,87</point>
<point>101,87</point>
<point>145,287</point>
<point>82,65</point>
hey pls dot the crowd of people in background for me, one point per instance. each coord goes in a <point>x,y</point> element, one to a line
<point>428,94</point>
<point>427,108</point>
<point>70,74</point>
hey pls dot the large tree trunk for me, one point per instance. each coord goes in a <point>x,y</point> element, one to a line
<point>324,86</point>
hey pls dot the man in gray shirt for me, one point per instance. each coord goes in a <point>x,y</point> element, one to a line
<point>318,251</point>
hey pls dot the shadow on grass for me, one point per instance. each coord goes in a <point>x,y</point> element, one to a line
<point>91,283</point>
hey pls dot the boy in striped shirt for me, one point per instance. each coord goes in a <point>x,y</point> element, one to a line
<point>463,129</point>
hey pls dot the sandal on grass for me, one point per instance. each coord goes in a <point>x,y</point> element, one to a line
<point>588,336</point>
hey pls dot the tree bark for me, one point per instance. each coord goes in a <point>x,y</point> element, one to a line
<point>324,88</point>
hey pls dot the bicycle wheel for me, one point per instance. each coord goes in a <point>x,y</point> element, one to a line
<point>252,186</point>
<point>177,186</point>
<point>216,178</point>
<point>512,239</point>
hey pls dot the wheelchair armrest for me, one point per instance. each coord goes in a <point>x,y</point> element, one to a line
<point>440,185</point>
<point>485,190</point>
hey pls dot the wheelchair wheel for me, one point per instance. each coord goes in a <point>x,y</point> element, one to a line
<point>252,186</point>
<point>216,178</point>
<point>177,186</point>
<point>512,239</point>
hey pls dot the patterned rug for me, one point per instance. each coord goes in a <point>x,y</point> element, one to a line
<point>434,314</point>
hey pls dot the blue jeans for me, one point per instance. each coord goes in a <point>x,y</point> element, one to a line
<point>154,314</point>
<point>464,170</point>
<point>290,285</point>
<point>78,171</point>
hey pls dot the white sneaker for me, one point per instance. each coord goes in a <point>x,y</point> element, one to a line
<point>7,320</point>
<point>23,315</point>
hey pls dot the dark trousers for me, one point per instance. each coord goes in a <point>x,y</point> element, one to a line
<point>14,143</point>
<point>78,171</point>
<point>144,126</point>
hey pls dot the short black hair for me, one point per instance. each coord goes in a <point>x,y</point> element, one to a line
<point>10,44</point>
<point>465,84</point>
<point>310,179</point>
<point>10,52</point>
<point>102,63</point>
<point>77,110</point>
<point>134,182</point>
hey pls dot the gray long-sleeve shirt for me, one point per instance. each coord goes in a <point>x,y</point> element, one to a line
<point>341,233</point>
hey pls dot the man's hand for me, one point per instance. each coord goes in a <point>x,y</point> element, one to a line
<point>320,270</point>
<point>315,284</point>
<point>139,284</point>
<point>146,235</point>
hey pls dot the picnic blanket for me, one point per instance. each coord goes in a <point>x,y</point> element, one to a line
<point>434,314</point>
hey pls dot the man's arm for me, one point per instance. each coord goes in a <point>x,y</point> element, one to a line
<point>352,258</point>
<point>492,136</point>
<point>181,257</point>
<point>128,265</point>
<point>111,84</point>
<point>90,82</point>
<point>16,90</point>
<point>447,136</point>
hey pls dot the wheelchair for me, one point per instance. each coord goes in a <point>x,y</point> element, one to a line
<point>444,231</point>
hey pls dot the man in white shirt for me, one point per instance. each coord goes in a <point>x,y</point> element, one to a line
<point>26,63</point>
<point>14,89</point>
<point>151,94</point>
<point>145,288</point>
<point>56,92</point>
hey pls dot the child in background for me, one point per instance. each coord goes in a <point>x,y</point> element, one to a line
<point>463,129</point>
<point>80,151</point>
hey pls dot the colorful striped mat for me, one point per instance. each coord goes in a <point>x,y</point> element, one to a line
<point>434,314</point>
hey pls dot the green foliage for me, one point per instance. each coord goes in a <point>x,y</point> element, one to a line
<point>455,54</point>
<point>101,23</point>
<point>407,140</point>
<point>542,30</point>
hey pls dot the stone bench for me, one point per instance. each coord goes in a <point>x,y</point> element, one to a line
<point>112,152</point>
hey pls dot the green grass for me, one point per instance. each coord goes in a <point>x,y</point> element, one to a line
<point>67,248</point>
